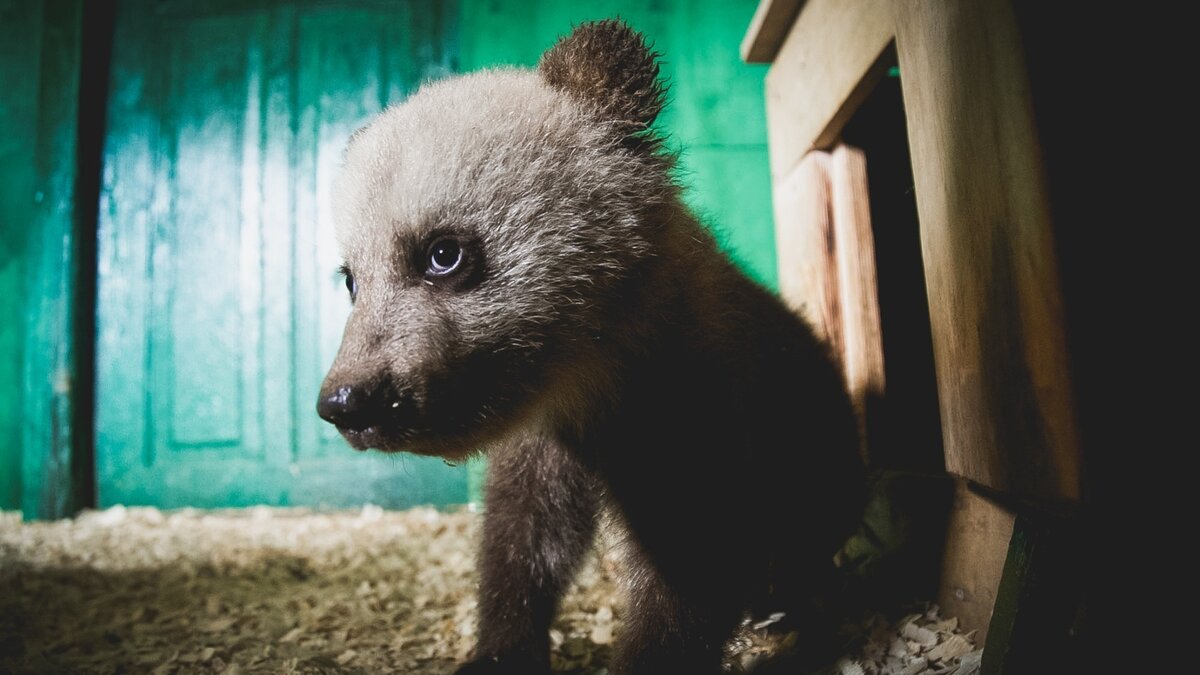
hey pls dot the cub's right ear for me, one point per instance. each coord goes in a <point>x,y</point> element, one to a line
<point>609,65</point>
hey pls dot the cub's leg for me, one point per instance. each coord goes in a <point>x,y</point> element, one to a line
<point>540,520</point>
<point>668,632</point>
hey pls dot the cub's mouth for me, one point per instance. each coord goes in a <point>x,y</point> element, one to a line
<point>392,424</point>
<point>391,440</point>
<point>374,437</point>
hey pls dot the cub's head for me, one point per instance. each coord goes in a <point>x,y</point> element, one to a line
<point>490,225</point>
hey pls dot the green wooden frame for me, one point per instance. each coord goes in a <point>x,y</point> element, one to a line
<point>56,411</point>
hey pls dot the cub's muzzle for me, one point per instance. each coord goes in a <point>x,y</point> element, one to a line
<point>367,414</point>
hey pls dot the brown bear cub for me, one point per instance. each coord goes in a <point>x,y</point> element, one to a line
<point>527,282</point>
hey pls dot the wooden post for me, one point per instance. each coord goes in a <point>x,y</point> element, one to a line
<point>55,480</point>
<point>825,68</point>
<point>992,279</point>
<point>804,245</point>
<point>973,561</point>
<point>857,292</point>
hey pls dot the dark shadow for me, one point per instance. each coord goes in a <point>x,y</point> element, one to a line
<point>905,428</point>
<point>95,57</point>
<point>895,557</point>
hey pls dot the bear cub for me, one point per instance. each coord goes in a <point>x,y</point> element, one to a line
<point>527,282</point>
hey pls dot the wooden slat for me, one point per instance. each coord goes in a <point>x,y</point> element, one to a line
<point>21,35</point>
<point>770,25</point>
<point>827,65</point>
<point>52,486</point>
<point>992,279</point>
<point>826,258</point>
<point>804,246</point>
<point>976,547</point>
<point>858,296</point>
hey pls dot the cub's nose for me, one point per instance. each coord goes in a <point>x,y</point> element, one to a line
<point>350,406</point>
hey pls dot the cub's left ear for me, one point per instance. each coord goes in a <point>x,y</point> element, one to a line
<point>608,64</point>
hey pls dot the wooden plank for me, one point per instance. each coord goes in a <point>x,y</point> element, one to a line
<point>770,25</point>
<point>826,255</point>
<point>976,547</point>
<point>804,246</point>
<point>50,486</point>
<point>827,65</point>
<point>1037,600</point>
<point>21,37</point>
<point>858,296</point>
<point>127,218</point>
<point>992,279</point>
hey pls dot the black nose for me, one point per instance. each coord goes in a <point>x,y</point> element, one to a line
<point>348,406</point>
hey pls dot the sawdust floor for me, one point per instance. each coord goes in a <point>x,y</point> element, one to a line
<point>289,591</point>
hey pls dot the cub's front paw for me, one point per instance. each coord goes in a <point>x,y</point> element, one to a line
<point>496,665</point>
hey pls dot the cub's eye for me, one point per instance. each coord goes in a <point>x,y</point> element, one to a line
<point>444,257</point>
<point>351,284</point>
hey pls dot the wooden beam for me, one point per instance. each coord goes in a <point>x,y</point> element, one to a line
<point>52,484</point>
<point>977,542</point>
<point>827,65</point>
<point>857,292</point>
<point>1037,600</point>
<point>826,255</point>
<point>770,25</point>
<point>992,279</point>
<point>804,246</point>
<point>21,35</point>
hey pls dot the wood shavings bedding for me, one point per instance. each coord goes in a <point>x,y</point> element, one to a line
<point>266,590</point>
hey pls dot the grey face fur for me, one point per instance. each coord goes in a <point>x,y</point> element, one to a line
<point>540,178</point>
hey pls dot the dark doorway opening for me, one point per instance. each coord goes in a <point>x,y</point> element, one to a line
<point>904,427</point>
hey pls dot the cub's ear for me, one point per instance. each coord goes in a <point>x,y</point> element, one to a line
<point>608,64</point>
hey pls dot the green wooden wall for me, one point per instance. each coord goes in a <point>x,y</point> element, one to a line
<point>40,69</point>
<point>274,87</point>
<point>20,51</point>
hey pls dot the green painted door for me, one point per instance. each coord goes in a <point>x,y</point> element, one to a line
<point>218,304</point>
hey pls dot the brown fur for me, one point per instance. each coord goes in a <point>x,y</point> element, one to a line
<point>599,346</point>
<point>611,67</point>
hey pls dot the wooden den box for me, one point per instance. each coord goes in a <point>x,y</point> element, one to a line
<point>914,226</point>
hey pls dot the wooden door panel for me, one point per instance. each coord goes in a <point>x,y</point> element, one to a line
<point>219,305</point>
<point>197,268</point>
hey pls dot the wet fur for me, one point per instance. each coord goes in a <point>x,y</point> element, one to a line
<point>600,348</point>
